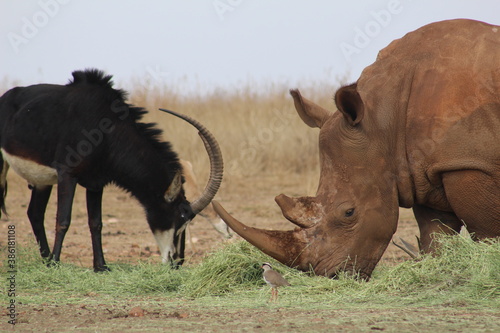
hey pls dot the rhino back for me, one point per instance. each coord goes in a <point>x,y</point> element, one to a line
<point>437,89</point>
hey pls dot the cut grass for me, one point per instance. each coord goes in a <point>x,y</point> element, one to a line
<point>464,273</point>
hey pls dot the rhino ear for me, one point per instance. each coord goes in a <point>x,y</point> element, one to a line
<point>310,113</point>
<point>350,104</point>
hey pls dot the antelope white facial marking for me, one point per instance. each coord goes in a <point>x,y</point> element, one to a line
<point>34,173</point>
<point>165,241</point>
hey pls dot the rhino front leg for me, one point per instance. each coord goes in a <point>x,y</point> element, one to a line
<point>432,221</point>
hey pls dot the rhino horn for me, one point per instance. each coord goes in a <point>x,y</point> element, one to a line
<point>304,212</point>
<point>285,246</point>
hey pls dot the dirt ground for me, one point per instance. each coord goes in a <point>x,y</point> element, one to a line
<point>159,316</point>
<point>127,238</point>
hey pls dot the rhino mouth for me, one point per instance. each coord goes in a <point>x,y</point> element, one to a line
<point>359,275</point>
<point>351,269</point>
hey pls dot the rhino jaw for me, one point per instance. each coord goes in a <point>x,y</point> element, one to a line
<point>288,247</point>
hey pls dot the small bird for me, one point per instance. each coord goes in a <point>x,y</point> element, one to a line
<point>273,279</point>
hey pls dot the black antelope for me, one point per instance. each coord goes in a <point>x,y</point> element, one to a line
<point>85,133</point>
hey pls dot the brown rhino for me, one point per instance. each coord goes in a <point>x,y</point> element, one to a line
<point>420,128</point>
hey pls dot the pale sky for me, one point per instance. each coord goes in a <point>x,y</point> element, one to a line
<point>200,45</point>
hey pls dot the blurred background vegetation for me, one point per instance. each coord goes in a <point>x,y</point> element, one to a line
<point>256,126</point>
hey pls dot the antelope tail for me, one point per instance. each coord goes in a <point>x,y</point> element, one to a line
<point>4,167</point>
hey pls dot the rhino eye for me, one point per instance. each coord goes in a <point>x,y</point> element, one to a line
<point>349,212</point>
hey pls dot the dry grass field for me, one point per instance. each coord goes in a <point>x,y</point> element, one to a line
<point>259,133</point>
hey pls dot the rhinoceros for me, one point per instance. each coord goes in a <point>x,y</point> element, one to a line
<point>420,128</point>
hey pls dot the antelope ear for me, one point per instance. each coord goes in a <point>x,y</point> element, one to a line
<point>310,113</point>
<point>174,188</point>
<point>190,183</point>
<point>350,104</point>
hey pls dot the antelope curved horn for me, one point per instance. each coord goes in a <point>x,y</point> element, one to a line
<point>216,163</point>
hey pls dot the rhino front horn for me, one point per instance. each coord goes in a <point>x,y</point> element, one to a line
<point>287,247</point>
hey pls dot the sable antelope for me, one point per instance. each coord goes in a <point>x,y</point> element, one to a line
<point>85,133</point>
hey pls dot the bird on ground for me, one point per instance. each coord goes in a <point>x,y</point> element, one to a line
<point>273,279</point>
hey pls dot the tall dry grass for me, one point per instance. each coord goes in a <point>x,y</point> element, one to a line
<point>256,125</point>
<point>257,128</point>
